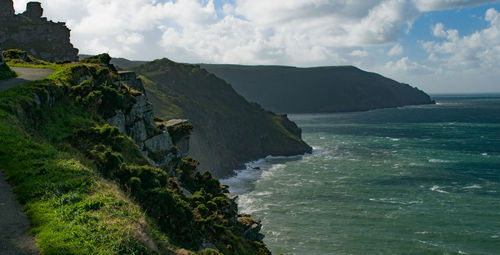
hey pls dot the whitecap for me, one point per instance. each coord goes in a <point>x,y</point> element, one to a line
<point>437,189</point>
<point>434,160</point>
<point>475,186</point>
<point>422,233</point>
<point>484,154</point>
<point>416,164</point>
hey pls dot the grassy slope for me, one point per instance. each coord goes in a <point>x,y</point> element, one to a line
<point>229,130</point>
<point>318,89</point>
<point>86,187</point>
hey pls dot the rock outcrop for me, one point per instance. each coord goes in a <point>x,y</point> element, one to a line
<point>33,33</point>
<point>152,137</point>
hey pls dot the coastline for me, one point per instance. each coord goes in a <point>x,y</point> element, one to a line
<point>242,181</point>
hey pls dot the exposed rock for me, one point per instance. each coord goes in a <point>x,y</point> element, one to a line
<point>252,228</point>
<point>138,133</point>
<point>182,143</point>
<point>130,78</point>
<point>139,123</point>
<point>159,143</point>
<point>118,121</point>
<point>43,39</point>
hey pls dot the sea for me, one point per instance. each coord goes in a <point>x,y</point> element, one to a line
<point>410,180</point>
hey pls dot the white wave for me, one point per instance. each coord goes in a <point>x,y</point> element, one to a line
<point>475,186</point>
<point>416,164</point>
<point>243,181</point>
<point>434,160</point>
<point>437,189</point>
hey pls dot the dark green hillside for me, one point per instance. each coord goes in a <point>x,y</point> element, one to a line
<point>320,89</point>
<point>229,130</point>
<point>88,188</point>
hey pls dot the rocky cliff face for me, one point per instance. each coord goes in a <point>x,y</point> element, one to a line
<point>31,32</point>
<point>152,137</point>
<point>229,131</point>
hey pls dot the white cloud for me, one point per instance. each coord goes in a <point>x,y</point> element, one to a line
<point>480,50</point>
<point>396,50</point>
<point>290,32</point>
<point>406,65</point>
<point>432,5</point>
<point>359,53</point>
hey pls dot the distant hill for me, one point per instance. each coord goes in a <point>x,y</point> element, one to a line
<point>317,90</point>
<point>229,131</point>
<point>121,63</point>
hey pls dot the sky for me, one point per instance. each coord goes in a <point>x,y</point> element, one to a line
<point>440,46</point>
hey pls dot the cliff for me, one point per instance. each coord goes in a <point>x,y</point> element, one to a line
<point>31,32</point>
<point>317,90</point>
<point>97,173</point>
<point>229,130</point>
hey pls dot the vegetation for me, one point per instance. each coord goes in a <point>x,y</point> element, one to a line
<point>229,130</point>
<point>319,89</point>
<point>179,131</point>
<point>20,58</point>
<point>6,72</point>
<point>86,186</point>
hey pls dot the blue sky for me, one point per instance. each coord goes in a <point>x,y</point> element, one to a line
<point>441,46</point>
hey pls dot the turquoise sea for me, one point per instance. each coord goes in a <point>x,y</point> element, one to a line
<point>412,180</point>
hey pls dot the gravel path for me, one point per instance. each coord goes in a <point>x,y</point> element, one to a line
<point>25,75</point>
<point>14,225</point>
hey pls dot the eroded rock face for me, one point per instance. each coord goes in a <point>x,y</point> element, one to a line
<point>139,123</point>
<point>252,227</point>
<point>43,39</point>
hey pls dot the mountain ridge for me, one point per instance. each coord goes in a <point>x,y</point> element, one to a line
<point>321,89</point>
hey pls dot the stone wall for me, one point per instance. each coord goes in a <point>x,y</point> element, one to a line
<point>31,32</point>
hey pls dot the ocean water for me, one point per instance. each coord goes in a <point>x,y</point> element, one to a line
<point>412,180</point>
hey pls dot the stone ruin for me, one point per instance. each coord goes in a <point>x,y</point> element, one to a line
<point>33,33</point>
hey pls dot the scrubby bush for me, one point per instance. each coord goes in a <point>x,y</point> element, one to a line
<point>6,72</point>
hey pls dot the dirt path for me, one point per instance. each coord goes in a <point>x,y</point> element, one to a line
<point>25,75</point>
<point>14,225</point>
